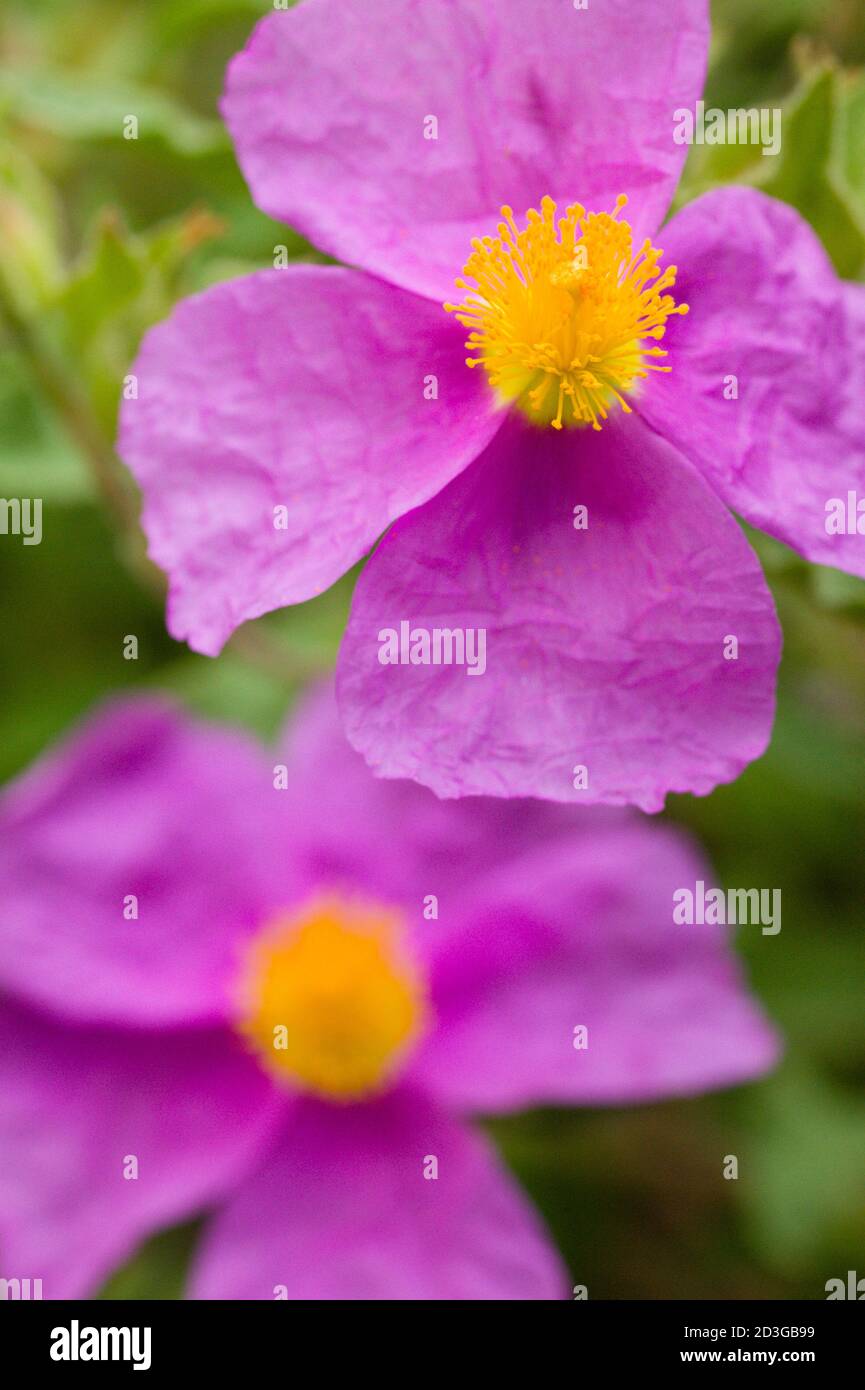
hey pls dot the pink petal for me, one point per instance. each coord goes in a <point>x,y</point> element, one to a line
<point>300,389</point>
<point>342,1211</point>
<point>571,936</point>
<point>138,804</point>
<point>327,107</point>
<point>768,310</point>
<point>604,646</point>
<point>76,1105</point>
<point>394,839</point>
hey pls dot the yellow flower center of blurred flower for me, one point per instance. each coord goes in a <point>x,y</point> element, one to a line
<point>560,313</point>
<point>330,1000</point>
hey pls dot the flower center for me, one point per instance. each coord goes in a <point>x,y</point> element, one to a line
<point>560,313</point>
<point>329,999</point>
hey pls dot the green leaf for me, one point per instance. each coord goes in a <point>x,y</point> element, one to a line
<point>157,1271</point>
<point>809,172</point>
<point>852,138</point>
<point>30,259</point>
<point>123,284</point>
<point>835,589</point>
<point>86,106</point>
<point>178,21</point>
<point>36,457</point>
<point>109,279</point>
<point>229,691</point>
<point>803,1178</point>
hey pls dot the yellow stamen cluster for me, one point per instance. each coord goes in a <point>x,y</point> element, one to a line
<point>329,1001</point>
<point>559,313</point>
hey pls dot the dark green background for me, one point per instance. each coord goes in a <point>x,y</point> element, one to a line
<point>98,237</point>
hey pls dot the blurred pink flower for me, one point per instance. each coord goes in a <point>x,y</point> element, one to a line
<point>279,996</point>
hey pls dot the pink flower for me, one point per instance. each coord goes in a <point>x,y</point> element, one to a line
<point>637,639</point>
<point>280,1002</point>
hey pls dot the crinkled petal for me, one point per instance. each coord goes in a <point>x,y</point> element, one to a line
<point>394,839</point>
<point>582,936</point>
<point>605,646</point>
<point>342,1210</point>
<point>282,421</point>
<point>393,133</point>
<point>773,328</point>
<point>80,1108</point>
<point>141,804</point>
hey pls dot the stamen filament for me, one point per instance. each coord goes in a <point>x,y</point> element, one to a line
<point>559,313</point>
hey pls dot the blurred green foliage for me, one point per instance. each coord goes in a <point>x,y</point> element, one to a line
<point>98,238</point>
